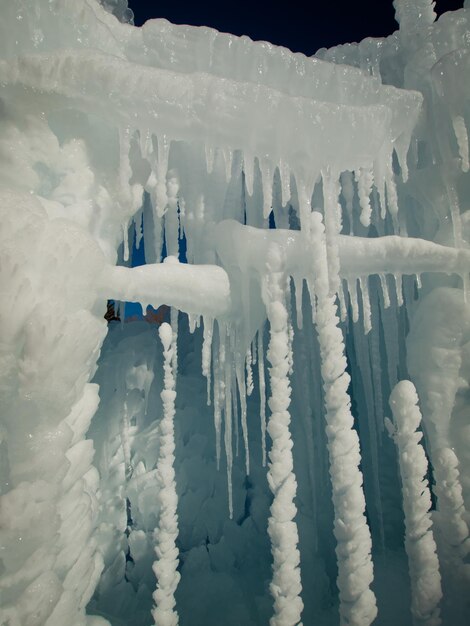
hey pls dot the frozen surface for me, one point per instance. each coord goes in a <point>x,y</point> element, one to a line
<point>299,227</point>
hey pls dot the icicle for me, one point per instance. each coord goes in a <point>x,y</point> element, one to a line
<point>385,292</point>
<point>208,323</point>
<point>254,352</point>
<point>218,397</point>
<point>262,394</point>
<point>347,189</point>
<point>418,281</point>
<point>228,438</point>
<point>375,362</point>
<point>461,135</point>
<point>352,290</point>
<point>364,179</point>
<point>290,328</point>
<point>382,165</point>
<point>455,213</point>
<point>172,219</point>
<point>392,197</point>
<point>125,234</point>
<point>465,285</point>
<point>398,288</point>
<point>298,286</point>
<point>248,169</point>
<point>284,173</point>
<point>343,310</point>
<point>145,143</point>
<point>192,319</point>
<point>249,372</point>
<point>166,532</point>
<point>304,193</point>
<point>267,182</point>
<point>286,584</point>
<point>210,152</point>
<point>228,159</point>
<point>364,287</point>
<point>420,546</point>
<point>355,570</point>
<point>174,335</point>
<point>138,221</point>
<point>235,413</point>
<point>313,300</point>
<point>163,148</point>
<point>240,376</point>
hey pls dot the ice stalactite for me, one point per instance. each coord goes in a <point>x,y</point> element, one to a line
<point>241,384</point>
<point>355,569</point>
<point>262,393</point>
<point>249,362</point>
<point>166,532</point>
<point>347,191</point>
<point>420,546</point>
<point>174,314</point>
<point>223,390</point>
<point>218,386</point>
<point>208,324</point>
<point>286,584</point>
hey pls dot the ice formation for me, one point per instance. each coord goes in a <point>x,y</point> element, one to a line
<point>300,227</point>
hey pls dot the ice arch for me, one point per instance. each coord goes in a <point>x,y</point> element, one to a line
<point>120,494</point>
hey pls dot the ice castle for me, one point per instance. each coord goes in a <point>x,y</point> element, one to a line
<point>284,437</point>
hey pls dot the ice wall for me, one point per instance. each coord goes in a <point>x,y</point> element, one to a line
<point>307,218</point>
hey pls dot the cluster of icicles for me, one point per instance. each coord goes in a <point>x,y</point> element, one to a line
<point>228,367</point>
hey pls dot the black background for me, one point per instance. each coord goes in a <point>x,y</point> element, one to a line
<point>302,27</point>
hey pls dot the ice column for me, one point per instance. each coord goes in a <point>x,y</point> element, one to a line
<point>355,570</point>
<point>165,567</point>
<point>286,585</point>
<point>420,546</point>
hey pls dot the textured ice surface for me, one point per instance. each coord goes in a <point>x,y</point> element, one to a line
<point>300,227</point>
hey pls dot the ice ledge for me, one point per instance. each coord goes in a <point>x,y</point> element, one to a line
<point>222,112</point>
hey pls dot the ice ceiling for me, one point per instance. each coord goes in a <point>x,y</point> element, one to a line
<point>285,437</point>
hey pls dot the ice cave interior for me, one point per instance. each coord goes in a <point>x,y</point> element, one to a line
<point>281,434</point>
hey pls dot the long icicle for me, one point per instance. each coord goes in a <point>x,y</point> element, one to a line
<point>420,546</point>
<point>208,324</point>
<point>228,436</point>
<point>166,532</point>
<point>286,585</point>
<point>355,569</point>
<point>262,394</point>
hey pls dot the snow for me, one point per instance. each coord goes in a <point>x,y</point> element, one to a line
<point>300,227</point>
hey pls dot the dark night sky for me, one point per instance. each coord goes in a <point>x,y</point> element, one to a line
<point>302,27</point>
